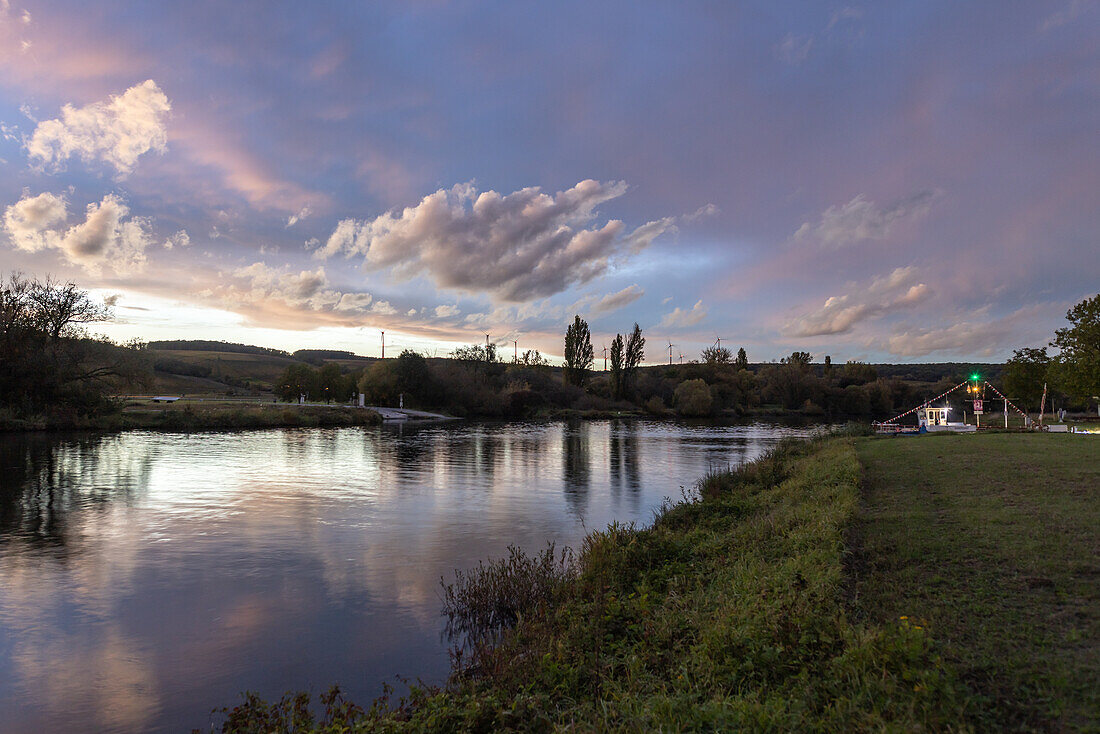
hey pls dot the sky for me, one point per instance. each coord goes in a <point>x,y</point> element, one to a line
<point>887,182</point>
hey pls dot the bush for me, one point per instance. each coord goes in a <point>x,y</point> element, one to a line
<point>693,398</point>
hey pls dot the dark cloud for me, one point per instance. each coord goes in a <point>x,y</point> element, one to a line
<point>108,236</point>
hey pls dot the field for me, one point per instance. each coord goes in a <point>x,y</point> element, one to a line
<point>992,543</point>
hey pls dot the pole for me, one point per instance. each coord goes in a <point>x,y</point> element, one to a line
<point>1006,412</point>
<point>383,345</point>
<point>1043,405</point>
<point>515,344</point>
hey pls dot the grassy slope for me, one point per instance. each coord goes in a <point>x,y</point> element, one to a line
<point>993,541</point>
<point>727,614</point>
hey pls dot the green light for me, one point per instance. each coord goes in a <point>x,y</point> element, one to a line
<point>975,378</point>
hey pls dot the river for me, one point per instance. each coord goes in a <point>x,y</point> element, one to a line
<point>146,578</point>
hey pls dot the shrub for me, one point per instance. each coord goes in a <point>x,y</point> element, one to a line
<point>693,398</point>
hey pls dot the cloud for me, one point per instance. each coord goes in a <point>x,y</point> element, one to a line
<point>794,49</point>
<point>846,13</point>
<point>304,299</point>
<point>105,237</point>
<point>861,219</point>
<point>445,312</point>
<point>515,247</point>
<point>1060,18</point>
<point>116,132</point>
<point>683,319</point>
<point>179,239</point>
<point>840,314</point>
<point>293,219</point>
<point>707,210</point>
<point>615,301</point>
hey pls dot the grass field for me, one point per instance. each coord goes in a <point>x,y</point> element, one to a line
<point>991,542</point>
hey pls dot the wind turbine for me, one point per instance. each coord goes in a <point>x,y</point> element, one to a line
<point>383,344</point>
<point>670,346</point>
<point>718,342</point>
<point>605,358</point>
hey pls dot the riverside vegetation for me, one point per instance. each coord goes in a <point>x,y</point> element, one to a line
<point>817,589</point>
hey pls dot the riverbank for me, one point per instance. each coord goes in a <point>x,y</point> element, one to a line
<point>838,584</point>
<point>198,417</point>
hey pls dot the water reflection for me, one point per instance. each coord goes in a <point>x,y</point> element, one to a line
<point>146,578</point>
<point>576,469</point>
<point>622,456</point>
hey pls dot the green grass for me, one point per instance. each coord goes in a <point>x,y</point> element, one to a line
<point>992,542</point>
<point>727,614</point>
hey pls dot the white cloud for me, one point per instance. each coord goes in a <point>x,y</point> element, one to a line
<point>973,333</point>
<point>707,210</point>
<point>898,290</point>
<point>615,301</point>
<point>116,132</point>
<point>794,49</point>
<point>680,318</point>
<point>179,239</point>
<point>105,237</point>
<point>446,312</point>
<point>293,219</point>
<point>861,219</point>
<point>515,247</point>
<point>384,308</point>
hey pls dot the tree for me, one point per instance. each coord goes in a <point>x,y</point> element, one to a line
<point>715,355</point>
<point>532,358</point>
<point>1079,349</point>
<point>617,360</point>
<point>742,362</point>
<point>693,398</point>
<point>1024,376</point>
<point>330,383</point>
<point>799,359</point>
<point>413,378</point>
<point>579,354</point>
<point>297,380</point>
<point>48,360</point>
<point>633,356</point>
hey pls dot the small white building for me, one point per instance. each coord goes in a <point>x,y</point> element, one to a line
<point>936,419</point>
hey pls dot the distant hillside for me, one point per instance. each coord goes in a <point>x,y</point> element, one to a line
<point>319,356</point>
<point>936,371</point>
<point>200,345</point>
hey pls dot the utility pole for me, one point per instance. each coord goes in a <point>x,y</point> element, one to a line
<point>383,345</point>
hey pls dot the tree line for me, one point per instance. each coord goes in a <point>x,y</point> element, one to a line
<point>1072,376</point>
<point>475,380</point>
<point>49,364</point>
